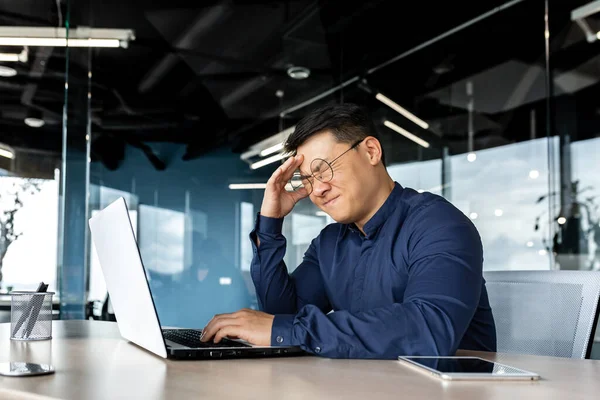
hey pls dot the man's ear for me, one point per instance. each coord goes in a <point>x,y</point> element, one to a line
<point>374,151</point>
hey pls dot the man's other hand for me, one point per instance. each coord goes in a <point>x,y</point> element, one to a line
<point>249,325</point>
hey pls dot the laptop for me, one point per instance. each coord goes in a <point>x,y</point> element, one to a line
<point>133,305</point>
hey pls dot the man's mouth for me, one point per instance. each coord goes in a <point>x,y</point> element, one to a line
<point>330,202</point>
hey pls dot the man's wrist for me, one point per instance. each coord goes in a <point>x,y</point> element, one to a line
<point>282,330</point>
<point>268,214</point>
<point>268,225</point>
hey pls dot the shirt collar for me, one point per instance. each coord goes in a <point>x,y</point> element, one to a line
<point>385,211</point>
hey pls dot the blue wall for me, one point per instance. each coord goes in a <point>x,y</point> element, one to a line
<point>192,297</point>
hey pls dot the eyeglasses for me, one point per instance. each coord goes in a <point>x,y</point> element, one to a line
<point>320,169</point>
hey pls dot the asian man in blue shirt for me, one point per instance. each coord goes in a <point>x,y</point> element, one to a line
<point>400,273</point>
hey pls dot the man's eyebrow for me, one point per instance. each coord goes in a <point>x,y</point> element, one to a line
<point>303,174</point>
<point>321,158</point>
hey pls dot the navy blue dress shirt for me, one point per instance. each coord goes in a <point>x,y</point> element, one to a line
<point>411,285</point>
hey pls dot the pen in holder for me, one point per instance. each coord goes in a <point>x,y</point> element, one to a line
<point>31,315</point>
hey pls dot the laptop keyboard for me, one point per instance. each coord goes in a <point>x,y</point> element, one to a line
<point>191,338</point>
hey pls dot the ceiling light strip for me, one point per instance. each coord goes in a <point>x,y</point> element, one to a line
<point>6,153</point>
<point>261,147</point>
<point>267,161</point>
<point>272,149</point>
<point>58,42</point>
<point>406,134</point>
<point>246,186</point>
<point>9,57</point>
<point>396,107</point>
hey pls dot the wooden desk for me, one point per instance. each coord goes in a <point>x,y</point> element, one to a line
<point>93,362</point>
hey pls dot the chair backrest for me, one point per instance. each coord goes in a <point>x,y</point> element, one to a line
<point>551,313</point>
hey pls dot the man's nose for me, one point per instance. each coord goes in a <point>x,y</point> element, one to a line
<point>320,188</point>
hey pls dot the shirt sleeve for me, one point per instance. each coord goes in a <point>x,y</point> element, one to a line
<point>277,291</point>
<point>445,259</point>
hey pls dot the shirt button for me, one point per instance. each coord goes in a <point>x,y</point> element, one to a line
<point>317,349</point>
<point>279,339</point>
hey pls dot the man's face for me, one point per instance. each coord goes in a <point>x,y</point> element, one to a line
<point>344,196</point>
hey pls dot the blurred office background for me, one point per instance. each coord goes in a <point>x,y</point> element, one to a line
<point>177,117</point>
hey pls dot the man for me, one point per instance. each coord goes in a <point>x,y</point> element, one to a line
<point>400,273</point>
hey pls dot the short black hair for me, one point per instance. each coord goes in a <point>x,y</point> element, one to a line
<point>347,122</point>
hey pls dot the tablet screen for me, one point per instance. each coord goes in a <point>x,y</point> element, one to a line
<point>469,365</point>
<point>466,365</point>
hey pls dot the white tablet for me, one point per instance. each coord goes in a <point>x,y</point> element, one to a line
<point>466,368</point>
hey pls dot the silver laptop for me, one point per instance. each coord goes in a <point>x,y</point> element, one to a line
<point>133,305</point>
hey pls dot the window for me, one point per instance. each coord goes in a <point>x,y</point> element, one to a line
<point>425,175</point>
<point>499,191</point>
<point>247,224</point>
<point>29,232</point>
<point>584,156</point>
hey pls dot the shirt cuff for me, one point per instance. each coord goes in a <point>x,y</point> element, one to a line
<point>268,225</point>
<point>282,330</point>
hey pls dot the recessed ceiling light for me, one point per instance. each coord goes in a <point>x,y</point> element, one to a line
<point>34,122</point>
<point>298,72</point>
<point>7,71</point>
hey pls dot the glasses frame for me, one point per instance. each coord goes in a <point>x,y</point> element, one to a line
<point>329,164</point>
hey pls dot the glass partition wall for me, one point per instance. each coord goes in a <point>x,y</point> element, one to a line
<point>32,92</point>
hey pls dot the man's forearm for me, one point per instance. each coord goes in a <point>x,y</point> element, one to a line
<point>381,333</point>
<point>275,290</point>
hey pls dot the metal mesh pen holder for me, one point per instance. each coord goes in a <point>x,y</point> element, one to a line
<point>31,315</point>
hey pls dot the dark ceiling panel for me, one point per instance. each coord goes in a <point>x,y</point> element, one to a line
<point>206,75</point>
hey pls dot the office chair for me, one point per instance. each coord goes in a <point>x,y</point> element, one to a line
<point>551,313</point>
